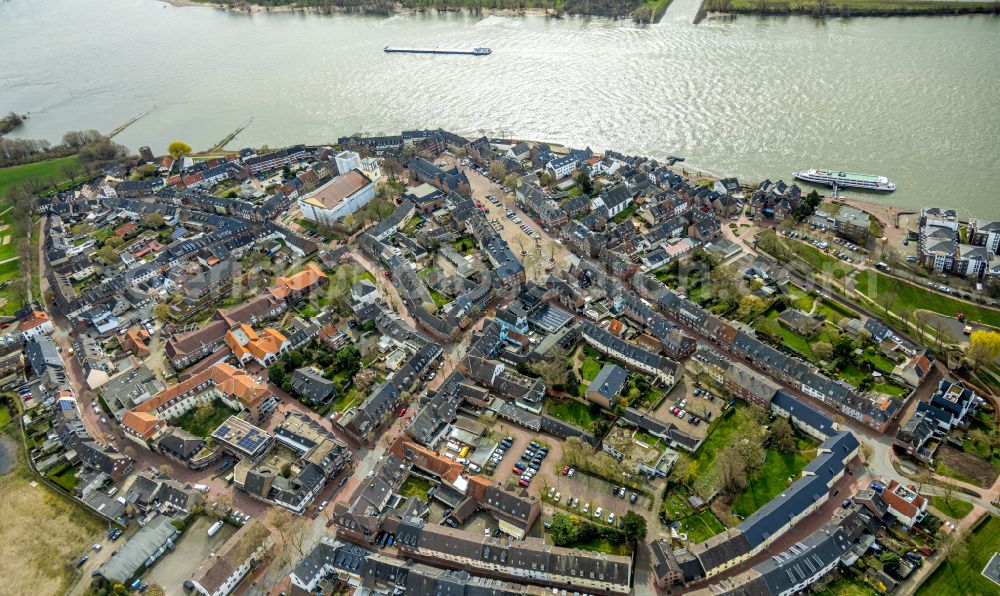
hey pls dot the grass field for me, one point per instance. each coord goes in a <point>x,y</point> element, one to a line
<point>960,574</point>
<point>414,486</point>
<point>46,171</point>
<point>955,509</point>
<point>912,297</point>
<point>590,367</point>
<point>779,470</point>
<point>571,411</point>
<point>204,427</point>
<point>701,526</point>
<point>818,260</point>
<point>721,435</point>
<point>42,533</point>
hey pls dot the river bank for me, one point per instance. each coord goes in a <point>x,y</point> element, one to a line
<point>849,8</point>
<point>645,11</point>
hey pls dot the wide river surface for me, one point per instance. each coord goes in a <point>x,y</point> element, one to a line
<point>916,99</point>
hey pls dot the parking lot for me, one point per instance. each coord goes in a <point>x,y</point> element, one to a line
<point>693,405</point>
<point>193,547</point>
<point>596,492</point>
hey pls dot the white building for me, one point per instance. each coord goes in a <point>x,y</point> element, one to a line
<point>347,161</point>
<point>338,198</point>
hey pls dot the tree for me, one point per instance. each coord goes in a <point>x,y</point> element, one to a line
<point>165,470</point>
<point>601,426</point>
<point>890,561</point>
<point>114,241</point>
<point>162,312</point>
<point>822,350</point>
<point>867,451</point>
<point>732,471</point>
<point>178,149</point>
<point>497,170</point>
<point>750,307</point>
<point>291,529</point>
<point>154,221</point>
<point>584,182</point>
<point>155,590</point>
<point>782,435</point>
<point>204,412</point>
<point>350,222</point>
<point>685,470</point>
<point>563,530</point>
<point>984,347</point>
<point>546,179</point>
<point>106,254</point>
<point>634,526</point>
<point>364,378</point>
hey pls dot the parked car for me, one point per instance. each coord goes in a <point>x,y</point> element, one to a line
<point>633,498</point>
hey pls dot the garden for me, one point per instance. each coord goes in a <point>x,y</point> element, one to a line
<point>204,418</point>
<point>960,574</point>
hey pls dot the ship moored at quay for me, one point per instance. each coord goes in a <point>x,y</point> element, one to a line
<point>838,179</point>
<point>472,52</point>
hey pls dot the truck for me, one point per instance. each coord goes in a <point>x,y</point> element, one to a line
<point>202,488</point>
<point>214,529</point>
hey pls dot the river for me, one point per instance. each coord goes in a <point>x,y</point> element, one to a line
<point>916,99</point>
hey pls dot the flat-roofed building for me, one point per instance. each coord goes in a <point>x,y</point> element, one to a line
<point>243,439</point>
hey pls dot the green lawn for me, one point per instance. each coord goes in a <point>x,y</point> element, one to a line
<point>4,416</point>
<point>956,508</point>
<point>65,477</point>
<point>768,322</point>
<point>817,259</point>
<point>203,427</point>
<point>960,574</point>
<point>847,585</point>
<point>721,435</point>
<point>414,486</point>
<point>571,411</point>
<point>590,367</point>
<point>701,526</point>
<point>46,171</point>
<point>779,470</point>
<point>439,298</point>
<point>912,297</point>
<point>464,245</point>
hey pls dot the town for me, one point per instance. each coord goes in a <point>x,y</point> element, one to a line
<point>422,362</point>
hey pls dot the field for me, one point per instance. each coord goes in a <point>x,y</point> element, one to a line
<point>51,170</point>
<point>778,471</point>
<point>720,436</point>
<point>571,411</point>
<point>960,574</point>
<point>42,534</point>
<point>202,426</point>
<point>415,486</point>
<point>912,297</point>
<point>701,526</point>
<point>965,467</point>
<point>818,260</point>
<point>955,509</point>
<point>847,8</point>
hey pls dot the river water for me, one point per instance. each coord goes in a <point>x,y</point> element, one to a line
<point>916,99</point>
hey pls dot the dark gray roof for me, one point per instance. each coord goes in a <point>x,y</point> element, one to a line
<point>609,382</point>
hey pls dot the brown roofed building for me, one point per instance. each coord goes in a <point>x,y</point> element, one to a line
<point>295,286</point>
<point>234,387</point>
<point>135,340</point>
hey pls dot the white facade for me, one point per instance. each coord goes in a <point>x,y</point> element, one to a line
<point>342,209</point>
<point>347,161</point>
